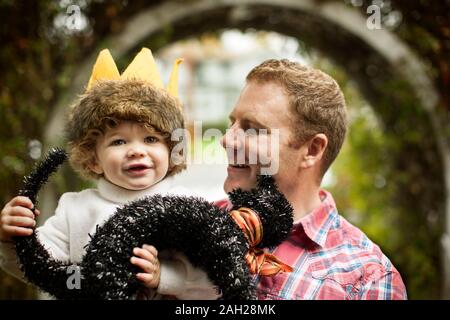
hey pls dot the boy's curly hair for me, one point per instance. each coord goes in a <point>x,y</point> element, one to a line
<point>111,101</point>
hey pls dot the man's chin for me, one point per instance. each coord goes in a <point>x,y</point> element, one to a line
<point>232,184</point>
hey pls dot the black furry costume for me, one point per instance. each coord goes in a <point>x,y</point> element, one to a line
<point>206,234</point>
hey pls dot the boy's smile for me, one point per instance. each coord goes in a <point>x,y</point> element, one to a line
<point>138,169</point>
<point>131,156</point>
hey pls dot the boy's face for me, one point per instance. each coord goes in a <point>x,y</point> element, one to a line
<point>131,156</point>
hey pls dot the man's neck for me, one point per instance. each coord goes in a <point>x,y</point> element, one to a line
<point>304,198</point>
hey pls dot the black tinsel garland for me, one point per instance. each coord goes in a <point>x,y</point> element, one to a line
<point>207,235</point>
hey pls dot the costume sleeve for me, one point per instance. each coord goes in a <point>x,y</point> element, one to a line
<point>180,279</point>
<point>53,235</point>
<point>389,286</point>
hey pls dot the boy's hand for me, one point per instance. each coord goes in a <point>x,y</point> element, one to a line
<point>17,219</point>
<point>147,259</point>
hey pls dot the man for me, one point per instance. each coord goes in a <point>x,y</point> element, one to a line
<point>331,258</point>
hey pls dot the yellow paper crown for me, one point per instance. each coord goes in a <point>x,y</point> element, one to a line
<point>142,67</point>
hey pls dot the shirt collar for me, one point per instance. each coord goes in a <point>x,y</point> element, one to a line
<point>318,222</point>
<point>118,194</point>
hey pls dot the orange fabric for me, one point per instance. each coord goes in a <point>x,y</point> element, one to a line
<point>258,261</point>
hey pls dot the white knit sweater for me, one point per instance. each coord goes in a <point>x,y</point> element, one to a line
<point>78,213</point>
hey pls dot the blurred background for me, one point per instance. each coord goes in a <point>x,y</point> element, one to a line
<point>391,58</point>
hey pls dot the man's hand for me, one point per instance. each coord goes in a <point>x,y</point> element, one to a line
<point>17,219</point>
<point>147,259</point>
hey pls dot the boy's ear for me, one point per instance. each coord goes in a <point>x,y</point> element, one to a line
<point>95,167</point>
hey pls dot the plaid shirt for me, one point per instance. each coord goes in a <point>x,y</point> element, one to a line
<point>332,259</point>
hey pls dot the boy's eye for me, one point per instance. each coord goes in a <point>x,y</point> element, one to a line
<point>151,139</point>
<point>118,142</point>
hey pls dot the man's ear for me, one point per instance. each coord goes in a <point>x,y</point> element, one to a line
<point>315,148</point>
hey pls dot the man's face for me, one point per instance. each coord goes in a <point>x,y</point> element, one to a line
<point>260,106</point>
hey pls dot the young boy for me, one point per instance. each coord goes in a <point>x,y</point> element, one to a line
<point>118,134</point>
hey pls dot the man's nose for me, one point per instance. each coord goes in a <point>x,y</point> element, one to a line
<point>232,140</point>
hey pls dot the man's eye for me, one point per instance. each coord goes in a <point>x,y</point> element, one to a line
<point>118,142</point>
<point>151,139</point>
<point>251,131</point>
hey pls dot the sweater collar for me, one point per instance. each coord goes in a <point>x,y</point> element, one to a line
<point>117,194</point>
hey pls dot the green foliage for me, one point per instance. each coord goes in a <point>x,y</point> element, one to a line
<point>375,192</point>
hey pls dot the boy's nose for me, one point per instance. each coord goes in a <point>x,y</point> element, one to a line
<point>135,151</point>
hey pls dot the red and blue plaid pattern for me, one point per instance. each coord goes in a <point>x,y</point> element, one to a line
<point>332,259</point>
